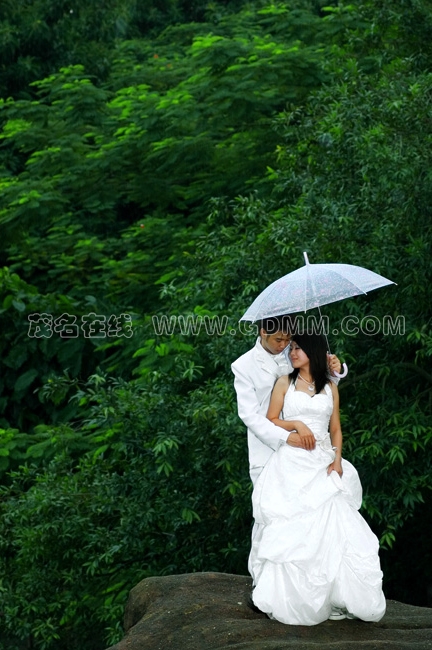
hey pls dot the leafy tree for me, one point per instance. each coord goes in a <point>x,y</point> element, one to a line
<point>126,489</point>
<point>100,185</point>
<point>39,37</point>
<point>148,469</point>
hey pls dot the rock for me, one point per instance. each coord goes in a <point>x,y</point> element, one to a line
<point>208,611</point>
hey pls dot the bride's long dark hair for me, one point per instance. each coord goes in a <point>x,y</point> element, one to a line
<point>315,346</point>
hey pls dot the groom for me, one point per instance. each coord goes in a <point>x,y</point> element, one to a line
<point>254,376</point>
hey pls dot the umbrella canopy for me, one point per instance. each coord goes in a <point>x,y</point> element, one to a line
<point>311,286</point>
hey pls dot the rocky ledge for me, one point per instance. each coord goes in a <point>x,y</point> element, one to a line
<point>208,611</point>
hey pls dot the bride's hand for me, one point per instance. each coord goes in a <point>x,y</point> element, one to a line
<point>335,466</point>
<point>334,364</point>
<point>303,438</point>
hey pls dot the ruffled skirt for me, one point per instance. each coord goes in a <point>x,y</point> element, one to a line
<point>312,551</point>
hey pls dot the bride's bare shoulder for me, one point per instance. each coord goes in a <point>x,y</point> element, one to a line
<point>283,382</point>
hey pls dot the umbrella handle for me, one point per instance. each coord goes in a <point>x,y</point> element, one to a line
<point>344,373</point>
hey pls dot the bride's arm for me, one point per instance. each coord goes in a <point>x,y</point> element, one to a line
<point>304,437</point>
<point>336,433</point>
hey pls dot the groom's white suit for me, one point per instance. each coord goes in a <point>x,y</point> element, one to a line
<point>255,374</point>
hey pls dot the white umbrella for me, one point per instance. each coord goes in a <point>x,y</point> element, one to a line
<point>311,286</point>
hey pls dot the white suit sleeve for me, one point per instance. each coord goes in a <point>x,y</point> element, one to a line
<point>249,409</point>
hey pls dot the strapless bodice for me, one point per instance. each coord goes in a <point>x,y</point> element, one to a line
<point>315,411</point>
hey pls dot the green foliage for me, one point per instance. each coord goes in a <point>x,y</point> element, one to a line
<point>209,158</point>
<point>13,445</point>
<point>191,110</point>
<point>126,489</point>
<point>39,37</point>
<point>100,186</point>
<point>46,339</point>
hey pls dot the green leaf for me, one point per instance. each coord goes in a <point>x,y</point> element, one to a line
<point>24,380</point>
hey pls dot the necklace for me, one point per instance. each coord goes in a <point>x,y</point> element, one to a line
<point>311,386</point>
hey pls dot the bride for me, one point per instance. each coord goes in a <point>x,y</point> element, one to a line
<point>313,556</point>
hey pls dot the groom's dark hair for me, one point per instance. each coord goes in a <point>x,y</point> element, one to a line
<point>276,324</point>
<point>315,346</point>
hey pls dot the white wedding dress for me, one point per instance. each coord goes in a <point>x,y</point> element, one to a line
<point>312,551</point>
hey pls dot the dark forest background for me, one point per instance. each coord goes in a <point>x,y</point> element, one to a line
<point>171,158</point>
